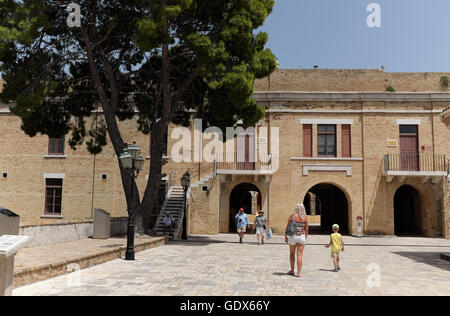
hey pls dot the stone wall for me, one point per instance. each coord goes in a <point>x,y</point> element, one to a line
<point>349,80</point>
<point>48,234</point>
<point>59,233</point>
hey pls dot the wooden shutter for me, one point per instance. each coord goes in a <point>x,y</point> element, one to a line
<point>346,141</point>
<point>307,140</point>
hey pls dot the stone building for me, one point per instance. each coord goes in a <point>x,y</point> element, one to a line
<point>334,140</point>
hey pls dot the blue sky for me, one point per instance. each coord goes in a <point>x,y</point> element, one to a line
<point>414,34</point>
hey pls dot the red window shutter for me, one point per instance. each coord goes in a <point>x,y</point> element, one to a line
<point>307,140</point>
<point>346,141</point>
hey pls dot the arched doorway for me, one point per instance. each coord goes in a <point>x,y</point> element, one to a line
<point>329,203</point>
<point>407,211</point>
<point>247,196</point>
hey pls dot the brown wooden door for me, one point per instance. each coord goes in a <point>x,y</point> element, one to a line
<point>409,148</point>
<point>248,162</point>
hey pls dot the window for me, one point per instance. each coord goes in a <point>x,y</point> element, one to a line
<point>408,129</point>
<point>326,140</point>
<point>53,196</point>
<point>56,146</point>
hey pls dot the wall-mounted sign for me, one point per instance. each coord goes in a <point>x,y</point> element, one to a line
<point>392,143</point>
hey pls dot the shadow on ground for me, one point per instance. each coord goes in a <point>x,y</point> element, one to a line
<point>430,258</point>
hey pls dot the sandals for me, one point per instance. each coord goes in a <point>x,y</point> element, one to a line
<point>290,273</point>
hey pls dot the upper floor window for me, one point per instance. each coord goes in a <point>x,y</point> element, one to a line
<point>326,140</point>
<point>56,146</point>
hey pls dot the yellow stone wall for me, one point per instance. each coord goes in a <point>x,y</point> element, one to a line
<point>367,191</point>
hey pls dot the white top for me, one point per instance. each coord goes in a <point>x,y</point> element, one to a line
<point>9,244</point>
<point>168,220</point>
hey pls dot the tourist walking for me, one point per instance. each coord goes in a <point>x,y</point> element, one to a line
<point>241,224</point>
<point>168,221</point>
<point>337,244</point>
<point>296,235</point>
<point>261,224</point>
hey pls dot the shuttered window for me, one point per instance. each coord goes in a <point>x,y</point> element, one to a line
<point>326,140</point>
<point>346,141</point>
<point>307,140</point>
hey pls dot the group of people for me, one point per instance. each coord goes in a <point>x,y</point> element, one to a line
<point>296,235</point>
<point>261,225</point>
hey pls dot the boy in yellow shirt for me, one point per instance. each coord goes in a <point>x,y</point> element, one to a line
<point>335,242</point>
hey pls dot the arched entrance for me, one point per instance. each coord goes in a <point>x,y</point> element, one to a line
<point>247,196</point>
<point>329,203</point>
<point>407,211</point>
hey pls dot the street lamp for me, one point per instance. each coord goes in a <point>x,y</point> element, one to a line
<point>185,183</point>
<point>133,163</point>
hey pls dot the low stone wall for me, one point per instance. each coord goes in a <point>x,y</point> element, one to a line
<point>119,226</point>
<point>56,233</point>
<point>52,233</point>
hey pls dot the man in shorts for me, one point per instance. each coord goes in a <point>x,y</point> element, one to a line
<point>261,224</point>
<point>241,224</point>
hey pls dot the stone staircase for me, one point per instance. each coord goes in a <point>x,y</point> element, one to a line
<point>173,204</point>
<point>203,181</point>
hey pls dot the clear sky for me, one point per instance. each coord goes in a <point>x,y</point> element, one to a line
<point>414,34</point>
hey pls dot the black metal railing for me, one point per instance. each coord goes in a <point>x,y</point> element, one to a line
<point>416,162</point>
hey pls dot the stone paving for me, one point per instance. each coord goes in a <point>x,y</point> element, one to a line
<point>218,265</point>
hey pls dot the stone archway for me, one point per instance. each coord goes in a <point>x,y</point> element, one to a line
<point>407,211</point>
<point>246,196</point>
<point>330,203</point>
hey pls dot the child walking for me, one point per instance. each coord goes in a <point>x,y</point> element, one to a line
<point>335,242</point>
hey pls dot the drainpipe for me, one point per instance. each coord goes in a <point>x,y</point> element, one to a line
<point>93,187</point>
<point>363,170</point>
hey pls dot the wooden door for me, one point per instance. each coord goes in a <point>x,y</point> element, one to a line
<point>409,148</point>
<point>248,161</point>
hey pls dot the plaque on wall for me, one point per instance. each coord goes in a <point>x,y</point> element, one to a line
<point>392,143</point>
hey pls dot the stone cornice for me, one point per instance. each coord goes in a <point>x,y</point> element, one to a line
<point>280,96</point>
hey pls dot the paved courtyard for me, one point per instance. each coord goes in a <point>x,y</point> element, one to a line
<point>218,265</point>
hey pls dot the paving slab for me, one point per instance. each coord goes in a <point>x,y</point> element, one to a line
<point>219,265</point>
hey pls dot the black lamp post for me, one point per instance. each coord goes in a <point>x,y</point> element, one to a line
<point>133,163</point>
<point>185,183</point>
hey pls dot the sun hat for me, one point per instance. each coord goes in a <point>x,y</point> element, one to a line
<point>335,226</point>
<point>260,211</point>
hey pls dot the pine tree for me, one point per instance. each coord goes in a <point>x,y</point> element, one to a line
<point>164,58</point>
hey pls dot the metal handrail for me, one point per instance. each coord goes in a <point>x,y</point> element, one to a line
<point>416,162</point>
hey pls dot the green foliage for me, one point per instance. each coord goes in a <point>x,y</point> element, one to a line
<point>444,81</point>
<point>390,89</point>
<point>47,74</point>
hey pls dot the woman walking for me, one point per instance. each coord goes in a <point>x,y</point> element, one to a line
<point>296,236</point>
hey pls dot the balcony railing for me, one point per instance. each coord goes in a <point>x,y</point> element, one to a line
<point>416,163</point>
<point>236,163</point>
